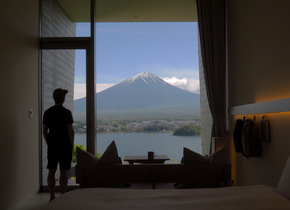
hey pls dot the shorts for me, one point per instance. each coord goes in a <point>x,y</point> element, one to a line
<point>63,158</point>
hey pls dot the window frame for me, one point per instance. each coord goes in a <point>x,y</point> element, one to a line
<point>77,43</point>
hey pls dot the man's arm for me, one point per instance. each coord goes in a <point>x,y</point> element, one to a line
<point>71,134</point>
<point>44,132</point>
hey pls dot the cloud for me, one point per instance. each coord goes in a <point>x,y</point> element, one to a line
<point>103,86</point>
<point>179,73</point>
<point>80,89</point>
<point>164,71</point>
<point>191,84</point>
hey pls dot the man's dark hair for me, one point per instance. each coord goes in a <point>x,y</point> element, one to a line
<point>59,95</point>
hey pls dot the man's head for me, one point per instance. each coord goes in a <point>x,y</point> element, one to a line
<point>59,95</point>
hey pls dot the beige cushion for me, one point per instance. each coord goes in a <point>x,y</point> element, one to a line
<point>191,157</point>
<point>84,157</point>
<point>284,183</point>
<point>220,156</point>
<point>110,156</point>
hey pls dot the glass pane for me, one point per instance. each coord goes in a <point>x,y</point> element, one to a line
<point>147,87</point>
<point>60,18</point>
<point>63,69</point>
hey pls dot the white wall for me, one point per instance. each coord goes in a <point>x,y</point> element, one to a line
<point>258,70</point>
<point>19,137</point>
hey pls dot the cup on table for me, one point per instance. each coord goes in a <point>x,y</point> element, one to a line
<point>151,155</point>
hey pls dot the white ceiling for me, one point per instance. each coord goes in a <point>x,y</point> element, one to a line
<point>132,10</point>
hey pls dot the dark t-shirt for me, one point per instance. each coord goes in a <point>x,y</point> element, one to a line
<point>57,118</point>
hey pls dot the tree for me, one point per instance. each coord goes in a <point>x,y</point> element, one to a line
<point>188,130</point>
<point>74,152</point>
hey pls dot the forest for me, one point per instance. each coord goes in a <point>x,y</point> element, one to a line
<point>188,130</point>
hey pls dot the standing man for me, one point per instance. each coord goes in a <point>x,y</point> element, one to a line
<point>59,136</point>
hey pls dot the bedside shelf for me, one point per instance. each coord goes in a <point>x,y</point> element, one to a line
<point>280,105</point>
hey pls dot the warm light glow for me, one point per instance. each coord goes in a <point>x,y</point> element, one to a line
<point>276,119</point>
<point>260,115</point>
<point>233,161</point>
<point>284,112</point>
<point>264,99</point>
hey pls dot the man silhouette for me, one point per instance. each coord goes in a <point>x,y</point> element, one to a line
<point>59,136</point>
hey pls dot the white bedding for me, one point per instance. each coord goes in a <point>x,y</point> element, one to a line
<point>243,198</point>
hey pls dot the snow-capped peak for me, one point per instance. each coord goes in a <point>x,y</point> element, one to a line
<point>145,76</point>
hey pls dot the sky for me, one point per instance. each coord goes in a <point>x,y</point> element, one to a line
<point>168,50</point>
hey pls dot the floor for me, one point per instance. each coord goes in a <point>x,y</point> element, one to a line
<point>34,202</point>
<point>38,200</point>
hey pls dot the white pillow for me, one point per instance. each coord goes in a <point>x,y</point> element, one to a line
<point>110,156</point>
<point>84,157</point>
<point>284,183</point>
<point>191,157</point>
<point>220,156</point>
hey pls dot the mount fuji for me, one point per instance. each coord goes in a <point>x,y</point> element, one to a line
<point>142,96</point>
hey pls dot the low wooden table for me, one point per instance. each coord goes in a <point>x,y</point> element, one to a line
<point>144,159</point>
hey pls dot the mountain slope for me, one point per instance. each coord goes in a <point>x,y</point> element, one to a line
<point>143,94</point>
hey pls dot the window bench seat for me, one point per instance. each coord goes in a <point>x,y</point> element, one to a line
<point>93,175</point>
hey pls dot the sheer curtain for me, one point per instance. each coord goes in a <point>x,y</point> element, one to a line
<point>212,30</point>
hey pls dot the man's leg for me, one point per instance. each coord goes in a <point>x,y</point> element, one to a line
<point>63,181</point>
<point>65,165</point>
<point>51,182</point>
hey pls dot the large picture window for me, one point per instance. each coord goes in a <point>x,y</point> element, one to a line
<point>148,87</point>
<point>132,82</point>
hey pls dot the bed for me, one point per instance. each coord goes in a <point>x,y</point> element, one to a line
<point>246,197</point>
<point>235,198</point>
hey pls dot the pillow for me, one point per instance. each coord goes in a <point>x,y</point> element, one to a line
<point>110,156</point>
<point>191,157</point>
<point>84,157</point>
<point>220,156</point>
<point>284,183</point>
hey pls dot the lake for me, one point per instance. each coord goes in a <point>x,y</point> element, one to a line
<point>141,143</point>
